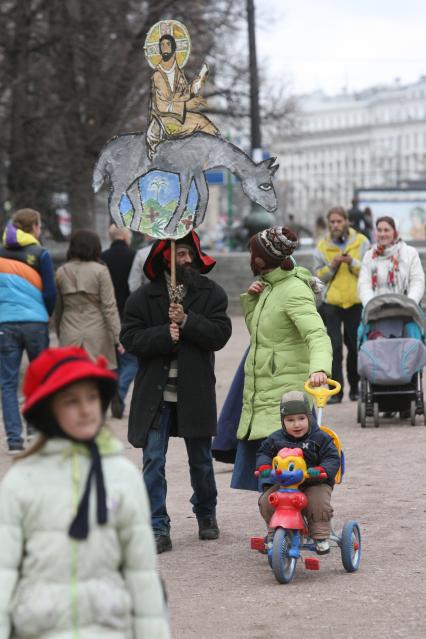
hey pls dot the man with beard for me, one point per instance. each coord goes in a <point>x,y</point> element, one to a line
<point>174,102</point>
<point>174,391</point>
<point>337,261</point>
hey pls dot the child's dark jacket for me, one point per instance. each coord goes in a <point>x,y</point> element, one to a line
<point>318,450</point>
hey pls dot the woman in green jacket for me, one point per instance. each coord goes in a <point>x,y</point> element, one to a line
<point>288,343</point>
<point>77,553</point>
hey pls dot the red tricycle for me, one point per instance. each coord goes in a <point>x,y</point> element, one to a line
<point>289,528</point>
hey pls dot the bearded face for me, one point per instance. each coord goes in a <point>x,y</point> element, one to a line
<point>338,226</point>
<point>188,275</point>
<point>167,48</point>
<point>166,55</point>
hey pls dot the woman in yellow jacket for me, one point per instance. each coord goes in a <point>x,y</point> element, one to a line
<point>337,262</point>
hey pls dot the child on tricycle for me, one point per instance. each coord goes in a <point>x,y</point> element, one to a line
<point>300,430</point>
<point>297,467</point>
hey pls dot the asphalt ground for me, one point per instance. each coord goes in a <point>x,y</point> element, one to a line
<point>222,589</point>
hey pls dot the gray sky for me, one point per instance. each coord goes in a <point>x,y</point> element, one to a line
<point>329,44</point>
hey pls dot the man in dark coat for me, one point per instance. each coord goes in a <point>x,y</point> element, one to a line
<point>174,392</point>
<point>119,260</point>
<point>359,220</point>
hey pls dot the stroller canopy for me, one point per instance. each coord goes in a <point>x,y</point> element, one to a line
<point>397,351</point>
<point>393,305</point>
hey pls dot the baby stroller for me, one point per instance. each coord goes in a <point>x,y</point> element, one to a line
<point>391,357</point>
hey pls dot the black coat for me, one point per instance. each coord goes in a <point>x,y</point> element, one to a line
<point>146,333</point>
<point>317,446</point>
<point>119,259</point>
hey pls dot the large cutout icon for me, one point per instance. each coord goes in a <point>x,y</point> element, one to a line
<point>157,178</point>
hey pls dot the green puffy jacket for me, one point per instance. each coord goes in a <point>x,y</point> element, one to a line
<point>54,587</point>
<point>288,343</point>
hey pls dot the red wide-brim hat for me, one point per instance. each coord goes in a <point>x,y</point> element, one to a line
<point>56,368</point>
<point>161,252</point>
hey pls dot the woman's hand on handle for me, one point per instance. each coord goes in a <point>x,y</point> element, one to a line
<point>318,379</point>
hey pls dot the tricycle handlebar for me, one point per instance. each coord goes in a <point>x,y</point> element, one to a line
<point>321,393</point>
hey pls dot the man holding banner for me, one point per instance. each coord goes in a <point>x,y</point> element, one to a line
<point>174,391</point>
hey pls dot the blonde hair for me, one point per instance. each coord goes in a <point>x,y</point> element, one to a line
<point>116,233</point>
<point>25,219</point>
<point>337,210</point>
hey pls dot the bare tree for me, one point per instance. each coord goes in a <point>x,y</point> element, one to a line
<point>73,74</point>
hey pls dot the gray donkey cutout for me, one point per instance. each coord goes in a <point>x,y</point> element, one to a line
<point>124,161</point>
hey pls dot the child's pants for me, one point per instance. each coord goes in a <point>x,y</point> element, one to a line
<point>318,511</point>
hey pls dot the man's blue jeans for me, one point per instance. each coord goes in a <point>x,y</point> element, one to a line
<point>127,369</point>
<point>15,337</point>
<point>201,472</point>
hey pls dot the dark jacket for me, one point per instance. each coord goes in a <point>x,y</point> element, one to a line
<point>224,445</point>
<point>317,446</point>
<point>146,333</point>
<point>360,222</point>
<point>119,259</point>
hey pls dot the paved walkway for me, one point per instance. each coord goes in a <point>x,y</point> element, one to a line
<point>223,590</point>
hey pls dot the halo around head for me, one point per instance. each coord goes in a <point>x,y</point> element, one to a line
<point>169,27</point>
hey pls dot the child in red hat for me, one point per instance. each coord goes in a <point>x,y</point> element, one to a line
<point>77,550</point>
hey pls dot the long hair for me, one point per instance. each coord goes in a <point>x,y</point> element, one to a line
<point>84,245</point>
<point>337,210</point>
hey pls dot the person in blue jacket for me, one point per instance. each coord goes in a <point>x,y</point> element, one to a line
<point>27,300</point>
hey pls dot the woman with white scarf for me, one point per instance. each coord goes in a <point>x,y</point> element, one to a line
<point>390,266</point>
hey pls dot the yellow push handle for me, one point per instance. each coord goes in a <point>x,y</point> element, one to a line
<point>321,393</point>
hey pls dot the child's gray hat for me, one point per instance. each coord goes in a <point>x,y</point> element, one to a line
<point>295,402</point>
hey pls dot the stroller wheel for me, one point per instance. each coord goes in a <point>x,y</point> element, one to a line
<point>358,411</point>
<point>413,410</point>
<point>363,414</point>
<point>376,414</point>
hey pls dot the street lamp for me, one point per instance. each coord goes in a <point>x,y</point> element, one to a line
<point>256,137</point>
<point>258,219</point>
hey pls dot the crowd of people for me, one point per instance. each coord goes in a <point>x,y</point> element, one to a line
<point>118,318</point>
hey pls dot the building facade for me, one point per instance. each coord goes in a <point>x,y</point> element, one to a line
<point>370,139</point>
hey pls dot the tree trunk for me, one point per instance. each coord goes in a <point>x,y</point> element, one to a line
<point>17,177</point>
<point>81,197</point>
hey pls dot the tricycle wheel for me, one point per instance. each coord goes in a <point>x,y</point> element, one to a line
<point>350,546</point>
<point>283,565</point>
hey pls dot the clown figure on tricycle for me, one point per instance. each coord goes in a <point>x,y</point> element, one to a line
<point>297,468</point>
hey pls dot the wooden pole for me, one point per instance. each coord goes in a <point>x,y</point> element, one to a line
<point>256,138</point>
<point>173,264</point>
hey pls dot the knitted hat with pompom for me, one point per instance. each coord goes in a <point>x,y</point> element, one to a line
<point>274,247</point>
